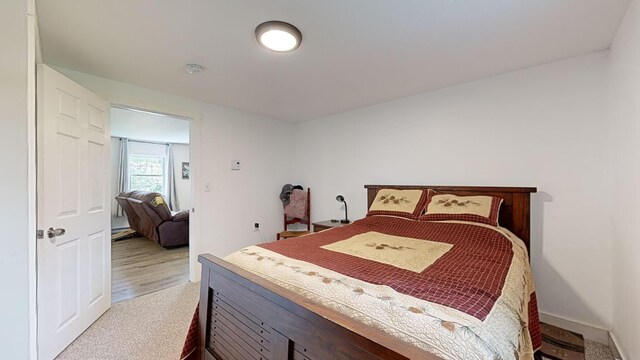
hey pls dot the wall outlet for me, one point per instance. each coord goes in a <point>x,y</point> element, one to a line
<point>256,227</point>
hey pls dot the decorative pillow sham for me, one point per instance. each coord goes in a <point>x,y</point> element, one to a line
<point>394,202</point>
<point>482,209</point>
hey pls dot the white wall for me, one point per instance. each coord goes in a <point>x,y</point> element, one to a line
<point>624,137</point>
<point>540,127</point>
<point>16,156</point>
<point>238,198</point>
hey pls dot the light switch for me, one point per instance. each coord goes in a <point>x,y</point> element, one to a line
<point>207,187</point>
<point>235,164</point>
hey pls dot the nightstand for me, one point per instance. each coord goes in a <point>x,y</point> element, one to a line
<point>324,225</point>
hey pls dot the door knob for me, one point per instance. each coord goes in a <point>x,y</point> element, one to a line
<point>53,232</point>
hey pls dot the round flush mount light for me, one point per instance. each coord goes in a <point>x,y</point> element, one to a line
<point>193,68</point>
<point>278,36</point>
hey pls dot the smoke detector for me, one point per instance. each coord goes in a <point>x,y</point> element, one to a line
<point>193,69</point>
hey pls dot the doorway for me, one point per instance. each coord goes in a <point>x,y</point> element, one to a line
<point>151,201</point>
<point>73,266</point>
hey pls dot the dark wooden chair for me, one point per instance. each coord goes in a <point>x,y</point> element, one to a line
<point>291,220</point>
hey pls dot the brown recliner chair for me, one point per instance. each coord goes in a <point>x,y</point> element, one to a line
<point>154,219</point>
<point>132,217</point>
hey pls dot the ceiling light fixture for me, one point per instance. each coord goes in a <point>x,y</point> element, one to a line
<point>278,36</point>
<point>193,68</point>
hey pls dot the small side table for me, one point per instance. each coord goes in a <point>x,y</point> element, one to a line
<point>324,225</point>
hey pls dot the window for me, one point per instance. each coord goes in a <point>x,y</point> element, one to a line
<point>147,173</point>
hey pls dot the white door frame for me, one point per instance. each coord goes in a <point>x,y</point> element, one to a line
<point>194,168</point>
<point>34,57</point>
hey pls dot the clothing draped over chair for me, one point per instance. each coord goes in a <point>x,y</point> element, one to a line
<point>297,207</point>
<point>297,210</point>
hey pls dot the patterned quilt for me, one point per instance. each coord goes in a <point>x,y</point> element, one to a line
<point>459,290</point>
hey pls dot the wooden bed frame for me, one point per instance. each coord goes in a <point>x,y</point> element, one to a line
<point>243,316</point>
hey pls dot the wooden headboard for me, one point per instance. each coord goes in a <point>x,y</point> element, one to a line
<point>514,213</point>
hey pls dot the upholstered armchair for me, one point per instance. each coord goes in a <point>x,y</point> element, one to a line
<point>150,216</point>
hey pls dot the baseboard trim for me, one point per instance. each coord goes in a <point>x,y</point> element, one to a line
<point>613,345</point>
<point>590,332</point>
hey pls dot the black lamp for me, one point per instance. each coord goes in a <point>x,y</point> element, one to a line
<point>341,199</point>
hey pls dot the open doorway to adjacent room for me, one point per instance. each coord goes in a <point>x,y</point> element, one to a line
<point>151,195</point>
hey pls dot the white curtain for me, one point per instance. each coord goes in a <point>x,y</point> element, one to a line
<point>123,172</point>
<point>172,195</point>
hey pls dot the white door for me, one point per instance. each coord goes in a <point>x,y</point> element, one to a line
<point>74,267</point>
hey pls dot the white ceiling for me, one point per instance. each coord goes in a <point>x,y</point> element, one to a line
<point>142,125</point>
<point>354,53</point>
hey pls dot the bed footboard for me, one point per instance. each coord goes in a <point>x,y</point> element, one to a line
<point>243,316</point>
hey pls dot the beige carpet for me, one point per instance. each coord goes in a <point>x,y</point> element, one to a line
<point>596,351</point>
<point>150,327</point>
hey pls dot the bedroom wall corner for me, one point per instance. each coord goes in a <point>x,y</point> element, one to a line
<point>624,158</point>
<point>540,127</point>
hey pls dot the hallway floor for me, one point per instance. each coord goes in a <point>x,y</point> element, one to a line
<point>140,267</point>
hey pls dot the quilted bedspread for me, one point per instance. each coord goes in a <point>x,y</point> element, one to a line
<point>459,290</point>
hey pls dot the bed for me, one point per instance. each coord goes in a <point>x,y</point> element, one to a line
<point>322,297</point>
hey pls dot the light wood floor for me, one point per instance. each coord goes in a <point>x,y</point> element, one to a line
<point>141,267</point>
